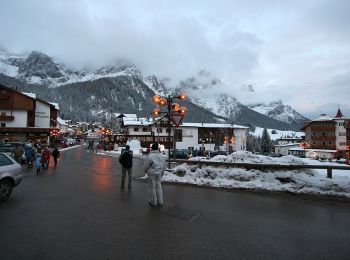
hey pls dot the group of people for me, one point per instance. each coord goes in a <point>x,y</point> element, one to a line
<point>101,145</point>
<point>154,167</point>
<point>38,156</point>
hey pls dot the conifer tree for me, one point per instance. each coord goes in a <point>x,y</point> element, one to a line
<point>265,142</point>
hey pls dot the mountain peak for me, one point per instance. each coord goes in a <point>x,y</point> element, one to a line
<point>38,64</point>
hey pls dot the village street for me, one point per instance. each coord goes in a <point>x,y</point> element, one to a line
<point>78,211</point>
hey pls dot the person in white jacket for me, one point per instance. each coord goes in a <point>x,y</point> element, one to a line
<point>154,167</point>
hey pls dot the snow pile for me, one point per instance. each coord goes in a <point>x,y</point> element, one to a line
<point>302,181</point>
<point>248,157</point>
<point>135,146</point>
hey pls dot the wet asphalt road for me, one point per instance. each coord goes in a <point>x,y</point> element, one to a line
<point>77,211</point>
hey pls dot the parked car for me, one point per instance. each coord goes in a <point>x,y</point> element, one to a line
<point>10,146</point>
<point>10,175</point>
<point>180,154</point>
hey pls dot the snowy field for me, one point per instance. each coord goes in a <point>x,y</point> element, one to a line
<point>301,181</point>
<point>277,134</point>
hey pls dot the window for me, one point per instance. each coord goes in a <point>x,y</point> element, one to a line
<point>178,135</point>
<point>145,129</point>
<point>3,114</point>
<point>323,134</point>
<point>342,133</point>
<point>342,143</point>
<point>167,130</point>
<point>3,125</point>
<point>4,160</point>
<point>136,129</point>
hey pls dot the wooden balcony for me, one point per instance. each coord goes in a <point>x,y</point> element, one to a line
<point>7,118</point>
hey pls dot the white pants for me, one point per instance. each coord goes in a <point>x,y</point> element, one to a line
<point>155,189</point>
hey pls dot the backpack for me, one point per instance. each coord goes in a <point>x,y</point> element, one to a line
<point>126,159</point>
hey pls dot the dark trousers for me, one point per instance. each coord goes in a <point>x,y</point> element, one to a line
<point>124,170</point>
<point>55,160</point>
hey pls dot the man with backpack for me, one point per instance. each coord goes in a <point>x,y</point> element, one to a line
<point>126,160</point>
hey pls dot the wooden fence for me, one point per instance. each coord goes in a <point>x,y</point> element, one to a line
<point>264,167</point>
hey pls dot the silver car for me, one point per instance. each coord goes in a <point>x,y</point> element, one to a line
<point>10,175</point>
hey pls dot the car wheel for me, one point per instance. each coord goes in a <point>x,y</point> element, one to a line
<point>5,190</point>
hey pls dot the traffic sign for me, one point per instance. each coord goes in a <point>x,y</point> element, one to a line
<point>177,119</point>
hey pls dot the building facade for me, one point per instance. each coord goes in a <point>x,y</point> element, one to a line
<point>191,136</point>
<point>328,134</point>
<point>24,117</point>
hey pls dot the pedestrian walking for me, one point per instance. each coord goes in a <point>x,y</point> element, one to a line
<point>55,154</point>
<point>30,155</point>
<point>46,154</point>
<point>154,167</point>
<point>126,160</point>
<point>38,163</point>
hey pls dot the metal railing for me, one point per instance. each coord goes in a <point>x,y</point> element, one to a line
<point>264,167</point>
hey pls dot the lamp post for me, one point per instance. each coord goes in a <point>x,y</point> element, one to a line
<point>172,109</point>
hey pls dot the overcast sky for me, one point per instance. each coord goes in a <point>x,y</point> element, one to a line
<point>296,51</point>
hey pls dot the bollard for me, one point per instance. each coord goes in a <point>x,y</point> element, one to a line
<point>329,173</point>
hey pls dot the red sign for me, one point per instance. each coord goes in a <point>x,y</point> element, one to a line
<point>177,119</point>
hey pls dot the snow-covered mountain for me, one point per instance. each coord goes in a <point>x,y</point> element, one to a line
<point>39,68</point>
<point>279,111</point>
<point>208,101</point>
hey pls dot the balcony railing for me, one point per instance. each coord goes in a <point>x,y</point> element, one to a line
<point>7,118</point>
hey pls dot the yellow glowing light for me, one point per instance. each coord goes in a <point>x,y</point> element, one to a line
<point>156,99</point>
<point>182,110</point>
<point>156,112</point>
<point>182,96</point>
<point>163,102</point>
<point>175,107</point>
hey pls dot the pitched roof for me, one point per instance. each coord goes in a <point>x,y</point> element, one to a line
<point>339,114</point>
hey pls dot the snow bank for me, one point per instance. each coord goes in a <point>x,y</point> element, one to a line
<point>302,181</point>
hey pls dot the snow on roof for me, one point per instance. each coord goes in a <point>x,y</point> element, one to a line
<point>55,104</point>
<point>212,125</point>
<point>137,122</point>
<point>32,95</point>
<point>284,145</point>
<point>290,138</point>
<point>322,150</point>
<point>323,117</point>
<point>61,121</point>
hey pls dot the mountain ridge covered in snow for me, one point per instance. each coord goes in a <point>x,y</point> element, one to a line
<point>28,71</point>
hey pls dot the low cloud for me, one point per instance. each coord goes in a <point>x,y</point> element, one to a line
<point>260,50</point>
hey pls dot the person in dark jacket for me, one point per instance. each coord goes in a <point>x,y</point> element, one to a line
<point>55,154</point>
<point>17,153</point>
<point>30,155</point>
<point>126,161</point>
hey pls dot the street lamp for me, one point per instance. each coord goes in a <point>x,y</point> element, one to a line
<point>173,109</point>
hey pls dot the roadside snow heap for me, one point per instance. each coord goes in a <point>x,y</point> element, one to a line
<point>302,181</point>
